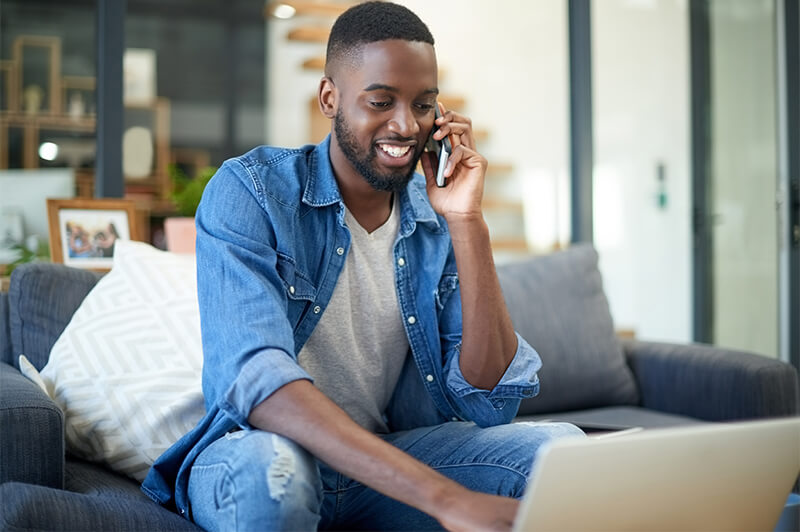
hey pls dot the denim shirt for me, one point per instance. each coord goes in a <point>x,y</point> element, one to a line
<point>271,243</point>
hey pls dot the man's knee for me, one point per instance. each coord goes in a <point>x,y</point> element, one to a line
<point>251,479</point>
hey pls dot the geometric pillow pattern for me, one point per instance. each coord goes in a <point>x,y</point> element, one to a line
<point>126,371</point>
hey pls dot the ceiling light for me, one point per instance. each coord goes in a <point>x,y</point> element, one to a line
<point>283,11</point>
<point>48,151</point>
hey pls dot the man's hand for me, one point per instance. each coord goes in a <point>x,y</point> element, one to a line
<point>478,512</point>
<point>464,172</point>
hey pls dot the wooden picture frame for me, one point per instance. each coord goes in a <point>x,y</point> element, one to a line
<point>83,231</point>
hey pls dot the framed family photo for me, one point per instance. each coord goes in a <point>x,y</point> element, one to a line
<point>83,231</point>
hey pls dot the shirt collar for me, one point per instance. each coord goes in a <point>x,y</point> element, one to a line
<point>322,190</point>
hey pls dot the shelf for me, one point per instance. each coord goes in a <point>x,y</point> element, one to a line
<point>46,121</point>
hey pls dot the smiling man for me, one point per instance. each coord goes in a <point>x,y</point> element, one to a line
<point>361,370</point>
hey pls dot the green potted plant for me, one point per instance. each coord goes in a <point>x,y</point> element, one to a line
<point>179,231</point>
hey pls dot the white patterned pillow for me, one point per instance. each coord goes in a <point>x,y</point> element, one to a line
<point>126,370</point>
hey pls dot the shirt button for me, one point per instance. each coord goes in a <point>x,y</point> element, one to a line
<point>340,251</point>
<point>412,320</point>
<point>317,309</point>
<point>401,261</point>
<point>453,419</point>
<point>429,378</point>
<point>291,289</point>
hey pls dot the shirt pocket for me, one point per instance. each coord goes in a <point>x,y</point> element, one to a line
<point>300,291</point>
<point>447,285</point>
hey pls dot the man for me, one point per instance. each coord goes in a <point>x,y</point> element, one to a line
<point>361,369</point>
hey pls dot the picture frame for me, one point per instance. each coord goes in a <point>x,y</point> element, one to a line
<point>83,231</point>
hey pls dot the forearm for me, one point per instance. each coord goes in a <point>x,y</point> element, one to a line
<point>488,340</point>
<point>300,412</point>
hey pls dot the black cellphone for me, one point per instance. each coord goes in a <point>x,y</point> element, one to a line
<point>441,148</point>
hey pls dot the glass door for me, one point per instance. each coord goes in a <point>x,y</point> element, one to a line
<point>743,182</point>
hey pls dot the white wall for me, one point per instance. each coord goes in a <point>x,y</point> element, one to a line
<point>641,119</point>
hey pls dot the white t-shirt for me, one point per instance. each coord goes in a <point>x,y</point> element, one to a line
<point>356,352</point>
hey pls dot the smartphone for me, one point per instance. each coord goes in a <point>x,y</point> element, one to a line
<point>441,148</point>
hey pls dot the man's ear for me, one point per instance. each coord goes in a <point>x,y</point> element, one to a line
<point>327,97</point>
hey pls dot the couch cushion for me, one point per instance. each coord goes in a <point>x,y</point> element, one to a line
<point>29,507</point>
<point>557,304</point>
<point>127,368</point>
<point>42,299</point>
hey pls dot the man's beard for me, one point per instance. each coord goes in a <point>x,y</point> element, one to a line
<point>389,181</point>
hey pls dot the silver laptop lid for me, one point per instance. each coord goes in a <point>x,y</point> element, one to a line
<point>721,476</point>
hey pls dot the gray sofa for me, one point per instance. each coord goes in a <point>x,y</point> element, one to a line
<point>556,302</point>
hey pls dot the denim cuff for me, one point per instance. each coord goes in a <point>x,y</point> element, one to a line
<point>519,380</point>
<point>259,378</point>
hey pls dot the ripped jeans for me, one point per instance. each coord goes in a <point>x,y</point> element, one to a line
<point>256,480</point>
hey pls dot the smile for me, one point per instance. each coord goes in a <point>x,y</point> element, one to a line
<point>394,151</point>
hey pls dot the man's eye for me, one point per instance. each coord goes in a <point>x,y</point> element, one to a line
<point>425,106</point>
<point>380,105</point>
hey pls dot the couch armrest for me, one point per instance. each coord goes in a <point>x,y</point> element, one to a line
<point>32,435</point>
<point>712,383</point>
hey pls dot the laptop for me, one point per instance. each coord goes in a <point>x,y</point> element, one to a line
<point>717,476</point>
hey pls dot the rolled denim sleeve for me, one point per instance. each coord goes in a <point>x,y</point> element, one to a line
<point>500,404</point>
<point>259,378</point>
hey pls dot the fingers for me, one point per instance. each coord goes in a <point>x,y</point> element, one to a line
<point>465,156</point>
<point>457,126</point>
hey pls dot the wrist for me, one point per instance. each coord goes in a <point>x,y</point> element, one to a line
<point>467,227</point>
<point>444,498</point>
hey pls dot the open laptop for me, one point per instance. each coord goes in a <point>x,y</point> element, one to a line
<point>720,476</point>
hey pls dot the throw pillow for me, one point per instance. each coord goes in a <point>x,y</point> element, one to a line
<point>126,370</point>
<point>558,305</point>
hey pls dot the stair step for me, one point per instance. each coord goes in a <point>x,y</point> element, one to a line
<point>502,204</point>
<point>499,169</point>
<point>309,34</point>
<point>453,102</point>
<point>324,9</point>
<point>510,244</point>
<point>314,63</point>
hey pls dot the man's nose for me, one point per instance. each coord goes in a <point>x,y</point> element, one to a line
<point>403,122</point>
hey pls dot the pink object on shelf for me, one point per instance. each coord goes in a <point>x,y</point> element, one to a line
<point>180,234</point>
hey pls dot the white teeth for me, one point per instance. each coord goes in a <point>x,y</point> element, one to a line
<point>395,151</point>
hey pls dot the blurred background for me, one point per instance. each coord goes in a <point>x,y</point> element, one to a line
<point>663,131</point>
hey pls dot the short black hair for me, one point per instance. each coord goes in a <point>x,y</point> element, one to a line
<point>371,22</point>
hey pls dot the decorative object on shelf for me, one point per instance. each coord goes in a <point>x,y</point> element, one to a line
<point>137,153</point>
<point>83,232</point>
<point>139,76</point>
<point>180,232</point>
<point>33,95</point>
<point>76,107</point>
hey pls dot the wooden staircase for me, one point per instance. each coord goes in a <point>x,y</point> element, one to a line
<point>502,204</point>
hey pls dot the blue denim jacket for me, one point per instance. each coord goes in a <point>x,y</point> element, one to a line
<point>271,242</point>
